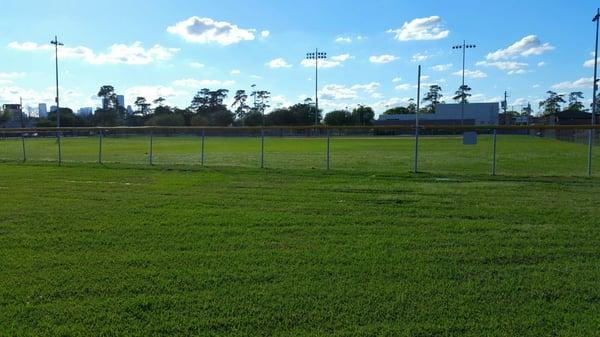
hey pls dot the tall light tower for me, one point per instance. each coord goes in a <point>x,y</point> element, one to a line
<point>595,99</point>
<point>464,48</point>
<point>316,56</point>
<point>56,44</point>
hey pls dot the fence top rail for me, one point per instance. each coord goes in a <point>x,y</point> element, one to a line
<point>300,128</point>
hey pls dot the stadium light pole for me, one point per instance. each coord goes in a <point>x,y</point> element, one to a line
<point>316,56</point>
<point>595,93</point>
<point>464,48</point>
<point>56,43</point>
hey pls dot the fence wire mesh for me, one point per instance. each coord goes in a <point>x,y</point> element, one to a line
<point>523,151</point>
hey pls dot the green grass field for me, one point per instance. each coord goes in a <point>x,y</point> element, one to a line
<point>366,249</point>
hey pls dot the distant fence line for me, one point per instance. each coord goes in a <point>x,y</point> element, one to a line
<point>306,128</point>
<point>563,132</point>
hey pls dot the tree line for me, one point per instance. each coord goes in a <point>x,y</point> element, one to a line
<point>207,108</point>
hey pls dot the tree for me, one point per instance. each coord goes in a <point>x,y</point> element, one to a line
<point>434,97</point>
<point>166,120</point>
<point>411,107</point>
<point>142,105</point>
<point>363,115</point>
<point>253,118</point>
<point>239,101</point>
<point>527,111</point>
<point>67,119</point>
<point>575,101</point>
<point>159,101</point>
<point>462,94</point>
<point>397,111</point>
<point>552,104</point>
<point>339,117</point>
<point>109,98</point>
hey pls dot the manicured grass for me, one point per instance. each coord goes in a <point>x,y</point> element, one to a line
<point>133,250</point>
<point>516,155</point>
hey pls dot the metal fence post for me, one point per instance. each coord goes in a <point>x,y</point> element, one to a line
<point>590,146</point>
<point>23,143</point>
<point>494,154</point>
<point>328,149</point>
<point>151,140</point>
<point>262,148</point>
<point>202,148</point>
<point>100,148</point>
<point>416,164</point>
<point>59,148</point>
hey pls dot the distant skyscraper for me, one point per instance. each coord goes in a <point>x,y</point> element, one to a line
<point>53,108</point>
<point>105,103</point>
<point>85,111</point>
<point>121,101</point>
<point>42,110</point>
<point>130,110</point>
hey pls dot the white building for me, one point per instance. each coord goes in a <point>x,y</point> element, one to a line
<point>450,114</point>
<point>42,110</point>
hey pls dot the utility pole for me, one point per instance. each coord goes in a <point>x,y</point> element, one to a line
<point>316,56</point>
<point>464,48</point>
<point>505,107</point>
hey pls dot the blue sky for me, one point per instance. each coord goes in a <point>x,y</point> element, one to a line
<point>175,48</point>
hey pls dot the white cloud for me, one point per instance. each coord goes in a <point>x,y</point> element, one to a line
<point>235,72</point>
<point>403,87</point>
<point>430,28</point>
<point>527,46</point>
<point>278,63</point>
<point>322,63</point>
<point>256,77</point>
<point>508,66</point>
<point>397,79</point>
<point>389,103</point>
<point>542,64</point>
<point>11,75</point>
<point>153,92</point>
<point>442,67</point>
<point>134,54</point>
<point>198,84</point>
<point>265,34</point>
<point>342,57</point>
<point>581,83</point>
<point>196,65</point>
<point>382,59</point>
<point>590,63</point>
<point>471,73</point>
<point>520,101</point>
<point>369,87</point>
<point>207,30</point>
<point>419,57</point>
<point>335,92</point>
<point>343,39</point>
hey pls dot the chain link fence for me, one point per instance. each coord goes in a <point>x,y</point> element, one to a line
<point>504,150</point>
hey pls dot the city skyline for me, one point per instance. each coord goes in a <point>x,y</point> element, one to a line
<point>175,50</point>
